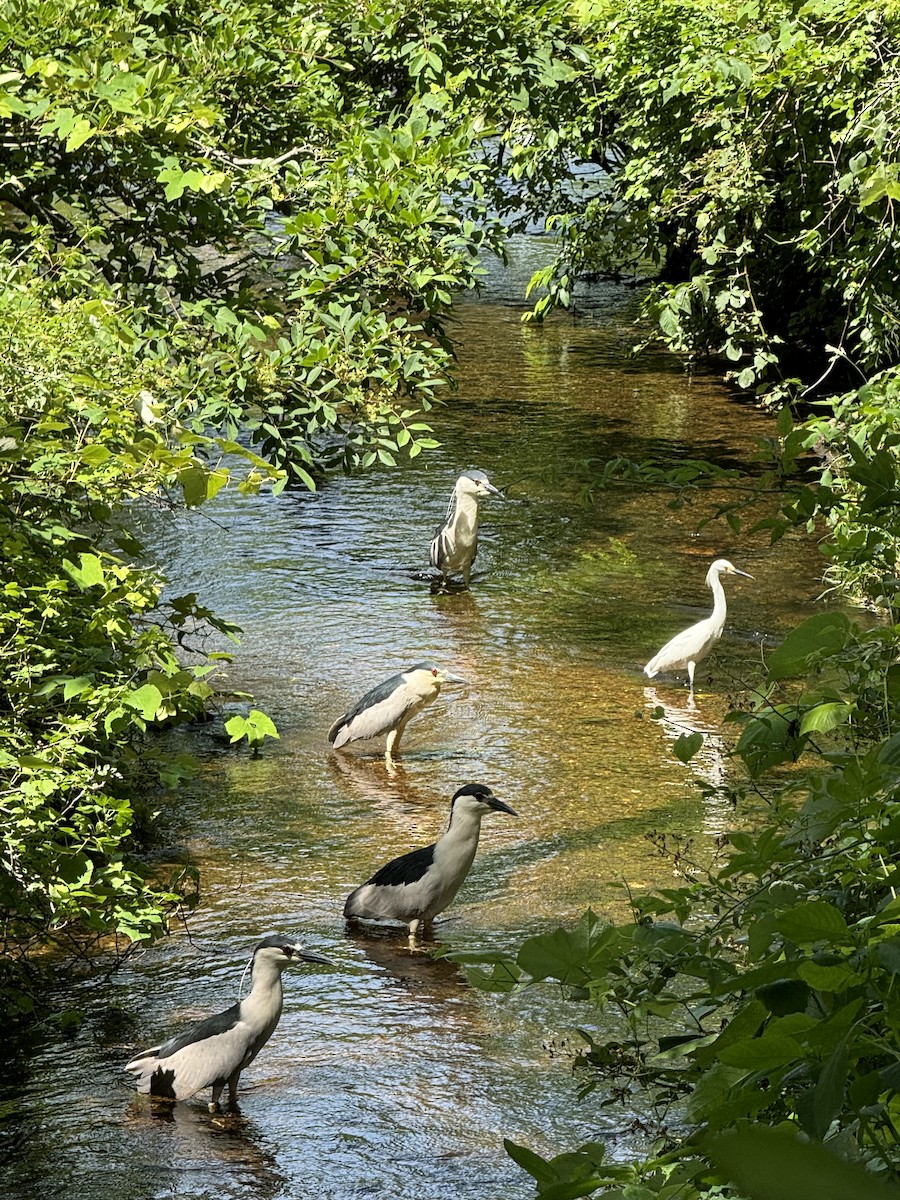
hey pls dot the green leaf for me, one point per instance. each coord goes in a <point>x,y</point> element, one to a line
<point>783,996</point>
<point>145,699</point>
<point>835,978</point>
<point>825,717</point>
<point>775,1164</point>
<point>813,921</point>
<point>31,762</point>
<point>88,573</point>
<point>828,1098</point>
<point>687,745</point>
<point>538,1168</point>
<point>255,727</point>
<point>818,637</point>
<point>75,687</point>
<point>761,1054</point>
<point>563,954</point>
<point>784,422</point>
<point>195,485</point>
<point>746,378</point>
<point>95,454</point>
<point>888,955</point>
<point>79,134</point>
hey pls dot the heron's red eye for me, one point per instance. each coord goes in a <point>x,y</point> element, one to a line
<point>434,670</point>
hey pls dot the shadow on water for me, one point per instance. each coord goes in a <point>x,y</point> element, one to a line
<point>388,1075</point>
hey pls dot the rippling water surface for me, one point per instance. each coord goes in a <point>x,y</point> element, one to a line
<point>388,1076</point>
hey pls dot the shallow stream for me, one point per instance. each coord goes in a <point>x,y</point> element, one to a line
<point>388,1076</point>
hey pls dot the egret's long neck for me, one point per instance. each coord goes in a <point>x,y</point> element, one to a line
<point>719,606</point>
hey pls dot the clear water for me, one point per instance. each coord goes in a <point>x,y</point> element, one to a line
<point>388,1075</point>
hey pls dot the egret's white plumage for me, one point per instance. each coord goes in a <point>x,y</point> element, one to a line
<point>455,543</point>
<point>692,645</point>
<point>213,1052</point>
<point>390,706</point>
<point>417,886</point>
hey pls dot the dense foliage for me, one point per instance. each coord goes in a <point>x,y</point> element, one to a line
<point>752,161</point>
<point>264,219</point>
<point>91,656</point>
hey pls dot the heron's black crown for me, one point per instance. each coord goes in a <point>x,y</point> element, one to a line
<point>276,941</point>
<point>480,791</point>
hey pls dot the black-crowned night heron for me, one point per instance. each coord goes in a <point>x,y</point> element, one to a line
<point>692,645</point>
<point>417,886</point>
<point>455,544</point>
<point>390,706</point>
<point>215,1051</point>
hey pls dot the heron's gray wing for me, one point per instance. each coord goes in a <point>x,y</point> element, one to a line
<point>439,546</point>
<point>181,1067</point>
<point>202,1064</point>
<point>371,716</point>
<point>219,1023</point>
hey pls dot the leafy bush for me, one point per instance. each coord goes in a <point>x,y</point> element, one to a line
<point>751,161</point>
<point>273,227</point>
<point>91,656</point>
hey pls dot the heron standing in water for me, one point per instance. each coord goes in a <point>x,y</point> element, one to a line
<point>455,544</point>
<point>213,1052</point>
<point>390,706</point>
<point>417,886</point>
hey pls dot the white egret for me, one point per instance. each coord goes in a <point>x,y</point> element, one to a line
<point>692,645</point>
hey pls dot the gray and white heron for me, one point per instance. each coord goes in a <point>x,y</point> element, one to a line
<point>213,1052</point>
<point>390,706</point>
<point>455,544</point>
<point>417,886</point>
<point>692,645</point>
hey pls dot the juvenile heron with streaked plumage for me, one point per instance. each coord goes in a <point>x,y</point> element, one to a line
<point>455,544</point>
<point>417,886</point>
<point>390,706</point>
<point>215,1051</point>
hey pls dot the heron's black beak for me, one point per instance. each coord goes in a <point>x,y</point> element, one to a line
<point>302,956</point>
<point>495,491</point>
<point>499,806</point>
<point>744,573</point>
<point>449,677</point>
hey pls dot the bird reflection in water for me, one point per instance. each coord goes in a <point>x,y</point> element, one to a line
<point>227,1148</point>
<point>709,765</point>
<point>384,786</point>
<point>415,968</point>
